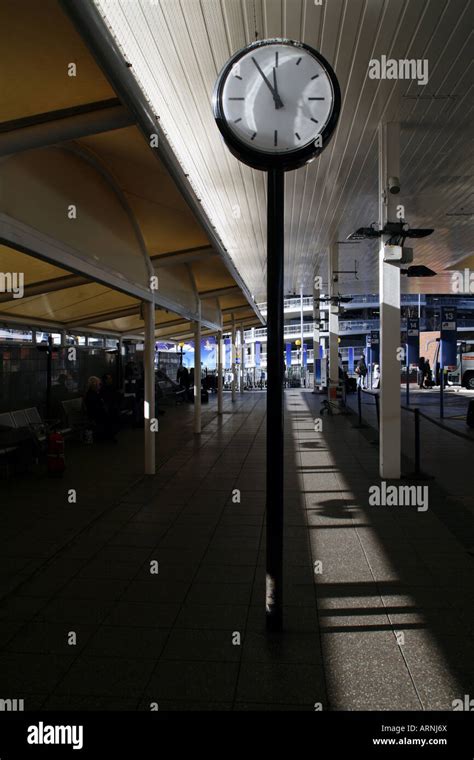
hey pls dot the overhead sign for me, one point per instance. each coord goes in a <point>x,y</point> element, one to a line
<point>413,340</point>
<point>375,346</point>
<point>449,337</point>
<point>228,358</point>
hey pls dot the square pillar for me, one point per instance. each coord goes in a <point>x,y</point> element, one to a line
<point>233,367</point>
<point>197,375</point>
<point>389,289</point>
<point>242,359</point>
<point>333,377</point>
<point>316,320</point>
<point>220,348</point>
<point>148,311</point>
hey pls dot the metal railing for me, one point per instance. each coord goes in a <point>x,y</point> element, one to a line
<point>418,415</point>
<point>417,446</point>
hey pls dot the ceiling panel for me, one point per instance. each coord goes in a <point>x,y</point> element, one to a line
<point>177,47</point>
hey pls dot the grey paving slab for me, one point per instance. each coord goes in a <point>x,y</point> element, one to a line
<point>293,683</point>
<point>103,676</point>
<point>198,644</point>
<point>127,641</point>
<point>385,572</point>
<point>202,681</point>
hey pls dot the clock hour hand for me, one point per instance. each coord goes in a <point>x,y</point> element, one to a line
<point>276,94</point>
<point>276,98</point>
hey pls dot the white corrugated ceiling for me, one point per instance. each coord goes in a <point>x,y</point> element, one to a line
<point>176,49</point>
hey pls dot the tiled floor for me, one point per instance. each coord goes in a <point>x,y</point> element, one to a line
<point>383,620</point>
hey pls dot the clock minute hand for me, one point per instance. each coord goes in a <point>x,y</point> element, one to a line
<point>268,83</point>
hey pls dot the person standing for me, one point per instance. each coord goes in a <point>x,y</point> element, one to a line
<point>421,372</point>
<point>361,372</point>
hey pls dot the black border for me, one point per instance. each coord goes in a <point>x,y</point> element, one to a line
<point>258,159</point>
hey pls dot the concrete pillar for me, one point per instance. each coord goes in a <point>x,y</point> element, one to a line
<point>243,352</point>
<point>149,390</point>
<point>63,339</point>
<point>389,290</point>
<point>333,378</point>
<point>301,327</point>
<point>220,349</point>
<point>316,319</point>
<point>233,366</point>
<point>197,374</point>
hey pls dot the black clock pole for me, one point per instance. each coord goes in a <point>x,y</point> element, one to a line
<point>275,378</point>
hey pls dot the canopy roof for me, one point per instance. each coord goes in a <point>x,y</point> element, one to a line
<point>90,216</point>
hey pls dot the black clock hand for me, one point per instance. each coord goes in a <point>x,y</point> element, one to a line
<point>276,95</point>
<point>267,82</point>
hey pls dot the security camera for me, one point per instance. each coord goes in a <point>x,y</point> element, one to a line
<point>394,185</point>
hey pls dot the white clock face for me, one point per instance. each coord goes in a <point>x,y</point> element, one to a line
<point>277,98</point>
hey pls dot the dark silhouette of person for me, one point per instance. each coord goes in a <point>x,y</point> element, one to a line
<point>105,426</point>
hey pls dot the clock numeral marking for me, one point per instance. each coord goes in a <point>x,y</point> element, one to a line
<point>315,76</point>
<point>276,58</point>
<point>316,98</point>
<point>237,77</point>
<point>315,120</point>
<point>237,121</point>
<point>297,136</point>
<point>236,98</point>
<point>254,136</point>
<point>275,139</point>
<point>298,61</point>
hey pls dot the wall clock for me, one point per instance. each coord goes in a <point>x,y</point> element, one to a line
<point>276,103</point>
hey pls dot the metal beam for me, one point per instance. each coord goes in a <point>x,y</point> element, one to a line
<point>218,292</point>
<point>45,325</point>
<point>235,309</point>
<point>27,239</point>
<point>48,286</point>
<point>104,316</point>
<point>184,256</point>
<point>53,127</point>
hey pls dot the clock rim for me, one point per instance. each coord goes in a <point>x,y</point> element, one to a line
<point>264,160</point>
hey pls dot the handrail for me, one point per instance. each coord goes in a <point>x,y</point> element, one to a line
<point>439,424</point>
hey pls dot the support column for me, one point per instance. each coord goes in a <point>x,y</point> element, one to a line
<point>333,378</point>
<point>197,374</point>
<point>242,359</point>
<point>275,418</point>
<point>389,289</point>
<point>232,354</point>
<point>316,319</point>
<point>148,310</point>
<point>219,373</point>
<point>302,333</point>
